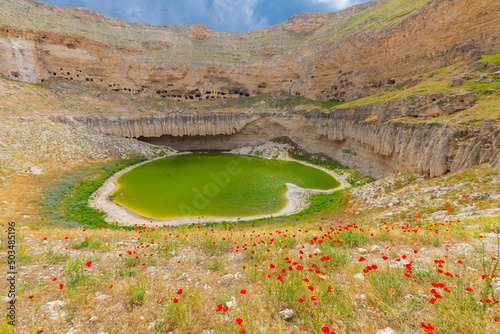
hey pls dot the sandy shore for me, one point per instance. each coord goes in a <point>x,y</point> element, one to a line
<point>297,200</point>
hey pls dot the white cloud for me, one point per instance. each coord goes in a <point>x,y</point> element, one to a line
<point>221,15</point>
<point>337,4</point>
<point>237,14</point>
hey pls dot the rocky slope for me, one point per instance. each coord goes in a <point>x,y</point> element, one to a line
<point>321,56</point>
<point>376,149</point>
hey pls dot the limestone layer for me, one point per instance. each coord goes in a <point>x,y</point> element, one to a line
<point>376,148</point>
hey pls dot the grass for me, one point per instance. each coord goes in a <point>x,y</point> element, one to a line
<point>92,243</point>
<point>54,256</point>
<point>386,14</point>
<point>491,58</point>
<point>66,201</point>
<point>297,261</point>
<point>215,265</point>
<point>136,293</point>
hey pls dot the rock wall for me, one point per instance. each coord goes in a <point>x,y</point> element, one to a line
<point>312,55</point>
<point>377,149</point>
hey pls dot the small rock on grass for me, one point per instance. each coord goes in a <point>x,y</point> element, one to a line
<point>286,314</point>
<point>387,330</point>
<point>359,276</point>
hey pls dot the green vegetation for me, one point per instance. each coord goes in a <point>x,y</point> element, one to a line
<point>136,293</point>
<point>215,265</point>
<point>54,256</point>
<point>319,159</point>
<point>65,203</point>
<point>383,16</point>
<point>494,58</point>
<point>92,243</point>
<point>75,273</point>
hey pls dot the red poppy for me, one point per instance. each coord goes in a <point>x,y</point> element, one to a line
<point>175,300</point>
<point>325,330</point>
<point>280,278</point>
<point>243,292</point>
<point>239,321</point>
<point>272,266</point>
<point>111,286</point>
<point>427,327</point>
<point>469,289</point>
<point>89,264</point>
<point>385,258</point>
<point>54,279</point>
<point>61,286</point>
<point>219,308</point>
<point>301,300</point>
<point>310,288</point>
<point>159,301</point>
<point>179,292</point>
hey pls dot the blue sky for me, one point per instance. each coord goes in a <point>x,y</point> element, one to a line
<point>220,15</point>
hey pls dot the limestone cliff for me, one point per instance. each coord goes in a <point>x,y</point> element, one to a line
<point>377,149</point>
<point>333,56</point>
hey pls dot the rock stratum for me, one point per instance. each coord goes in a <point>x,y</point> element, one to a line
<point>328,56</point>
<point>374,148</point>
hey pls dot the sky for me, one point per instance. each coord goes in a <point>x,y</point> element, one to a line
<point>220,15</point>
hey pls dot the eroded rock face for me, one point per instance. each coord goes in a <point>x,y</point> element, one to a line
<point>376,149</point>
<point>319,56</point>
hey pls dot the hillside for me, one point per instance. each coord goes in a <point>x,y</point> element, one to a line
<point>319,56</point>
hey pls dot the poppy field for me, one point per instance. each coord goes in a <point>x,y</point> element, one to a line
<point>399,256</point>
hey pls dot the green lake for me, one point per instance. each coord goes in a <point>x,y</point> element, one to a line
<point>214,185</point>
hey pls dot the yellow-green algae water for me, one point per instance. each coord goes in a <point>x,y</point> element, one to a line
<point>214,185</point>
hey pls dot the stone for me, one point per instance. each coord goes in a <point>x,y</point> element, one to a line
<point>456,82</point>
<point>387,330</point>
<point>359,276</point>
<point>102,297</point>
<point>286,314</point>
<point>54,307</point>
<point>231,303</point>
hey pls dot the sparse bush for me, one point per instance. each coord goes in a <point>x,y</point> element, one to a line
<point>215,265</point>
<point>136,293</point>
<point>54,257</point>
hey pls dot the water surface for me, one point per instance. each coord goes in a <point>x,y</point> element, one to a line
<point>214,185</point>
